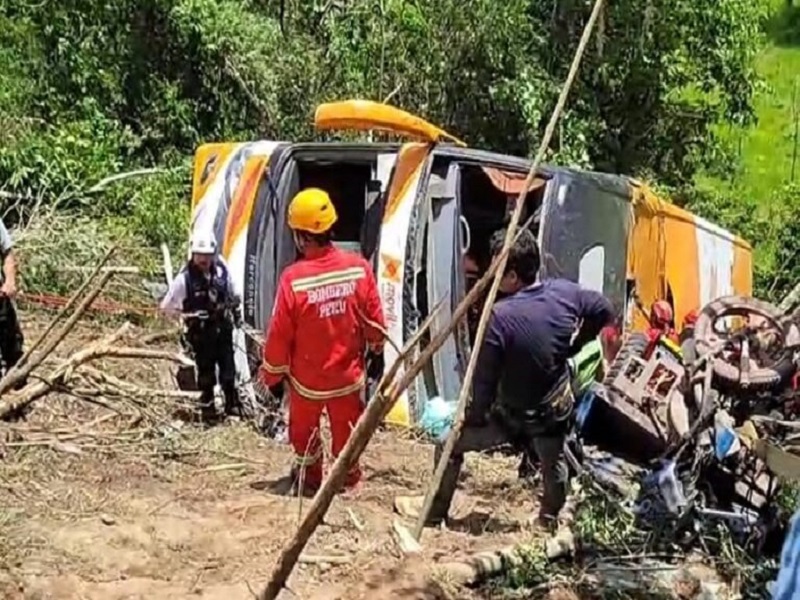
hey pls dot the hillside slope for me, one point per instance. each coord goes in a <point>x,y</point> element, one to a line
<point>767,151</point>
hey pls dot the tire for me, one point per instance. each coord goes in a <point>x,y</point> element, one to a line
<point>727,377</point>
<point>635,344</point>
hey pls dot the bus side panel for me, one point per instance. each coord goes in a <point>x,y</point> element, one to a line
<point>674,252</point>
<point>403,192</point>
<point>208,162</point>
<point>234,244</point>
<point>742,270</point>
<point>715,261</point>
<point>682,255</point>
<point>646,259</point>
<point>210,212</point>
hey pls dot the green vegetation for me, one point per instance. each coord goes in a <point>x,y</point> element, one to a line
<point>664,93</point>
<point>756,191</point>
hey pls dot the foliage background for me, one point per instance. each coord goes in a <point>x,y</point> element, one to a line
<point>670,92</point>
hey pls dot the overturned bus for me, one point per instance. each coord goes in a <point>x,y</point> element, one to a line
<point>423,211</point>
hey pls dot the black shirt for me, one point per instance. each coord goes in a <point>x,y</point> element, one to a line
<point>530,337</point>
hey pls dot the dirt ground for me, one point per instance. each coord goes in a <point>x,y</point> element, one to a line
<point>101,498</point>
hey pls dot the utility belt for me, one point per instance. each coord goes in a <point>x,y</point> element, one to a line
<point>552,412</point>
<point>199,328</point>
<point>557,405</point>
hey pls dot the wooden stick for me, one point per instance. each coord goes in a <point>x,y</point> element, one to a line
<point>67,307</point>
<point>130,388</point>
<point>489,302</point>
<point>61,374</point>
<point>16,375</point>
<point>376,410</point>
<point>148,354</point>
<point>790,299</point>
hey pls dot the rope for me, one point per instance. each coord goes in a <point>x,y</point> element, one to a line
<point>102,306</point>
<point>511,236</point>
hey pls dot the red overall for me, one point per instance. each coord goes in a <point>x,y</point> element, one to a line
<point>316,339</point>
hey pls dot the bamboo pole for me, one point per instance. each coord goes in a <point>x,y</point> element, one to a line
<point>17,375</point>
<point>67,307</point>
<point>463,400</point>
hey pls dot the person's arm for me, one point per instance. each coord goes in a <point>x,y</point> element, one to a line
<point>232,286</point>
<point>375,323</point>
<point>487,374</point>
<point>595,312</point>
<point>234,294</point>
<point>280,337</point>
<point>9,287</point>
<point>172,304</point>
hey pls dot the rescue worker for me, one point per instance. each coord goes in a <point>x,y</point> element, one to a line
<point>327,313</point>
<point>522,390</point>
<point>689,321</point>
<point>203,294</point>
<point>11,339</point>
<point>661,324</point>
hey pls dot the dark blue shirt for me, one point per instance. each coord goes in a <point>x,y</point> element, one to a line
<point>530,337</point>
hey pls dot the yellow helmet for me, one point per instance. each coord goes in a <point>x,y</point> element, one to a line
<point>311,210</point>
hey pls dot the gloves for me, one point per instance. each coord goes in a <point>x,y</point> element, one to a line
<point>277,391</point>
<point>233,311</point>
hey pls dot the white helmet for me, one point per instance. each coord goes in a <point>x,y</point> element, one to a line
<point>203,243</point>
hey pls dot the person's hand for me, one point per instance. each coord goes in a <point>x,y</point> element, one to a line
<point>8,289</point>
<point>277,391</point>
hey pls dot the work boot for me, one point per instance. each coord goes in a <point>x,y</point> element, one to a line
<point>233,407</point>
<point>308,489</point>
<point>209,416</point>
<point>208,410</point>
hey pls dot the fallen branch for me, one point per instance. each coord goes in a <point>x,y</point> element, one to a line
<point>60,378</point>
<point>60,375</point>
<point>490,563</point>
<point>159,336</point>
<point>21,372</point>
<point>148,354</point>
<point>134,390</point>
<point>65,309</point>
<point>100,185</point>
<point>313,559</point>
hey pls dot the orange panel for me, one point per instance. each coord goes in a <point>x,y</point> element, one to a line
<point>364,115</point>
<point>646,256</point>
<point>742,270</point>
<point>410,160</point>
<point>682,260</point>
<point>243,200</point>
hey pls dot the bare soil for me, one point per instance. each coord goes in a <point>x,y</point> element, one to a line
<point>99,500</point>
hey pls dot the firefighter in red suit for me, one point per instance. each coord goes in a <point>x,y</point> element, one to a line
<point>327,315</point>
<point>661,324</point>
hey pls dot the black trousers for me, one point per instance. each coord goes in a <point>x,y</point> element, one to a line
<point>11,339</point>
<point>548,445</point>
<point>212,345</point>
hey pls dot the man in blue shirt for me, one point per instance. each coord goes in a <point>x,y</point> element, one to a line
<point>522,391</point>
